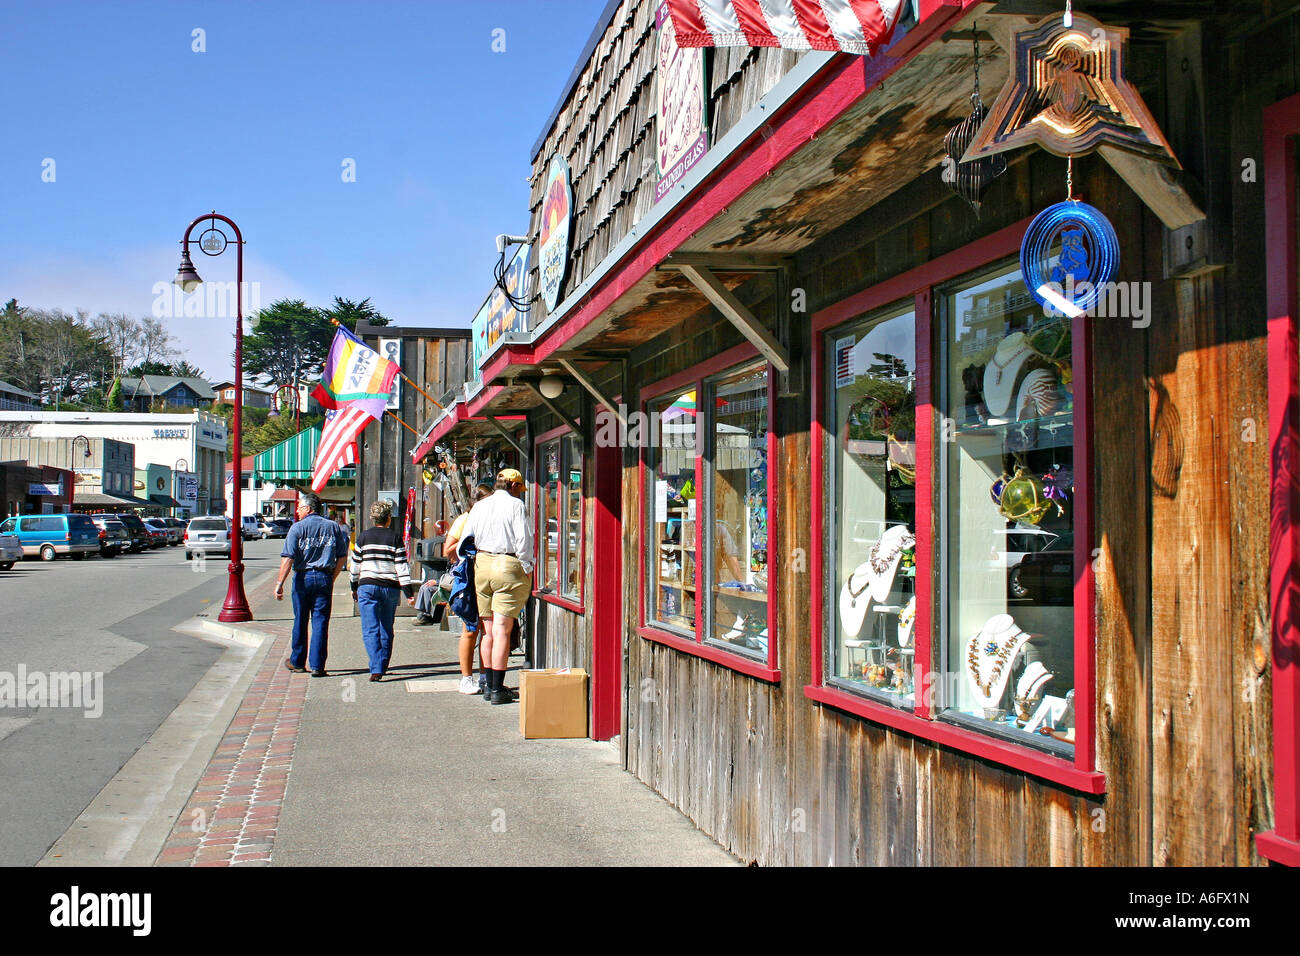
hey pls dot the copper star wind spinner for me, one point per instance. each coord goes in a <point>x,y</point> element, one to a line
<point>1069,94</point>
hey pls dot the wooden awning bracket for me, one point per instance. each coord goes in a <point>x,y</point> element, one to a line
<point>734,310</point>
<point>508,435</point>
<point>586,383</point>
<point>553,407</point>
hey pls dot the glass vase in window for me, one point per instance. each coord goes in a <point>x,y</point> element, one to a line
<point>871,505</point>
<point>1007,480</point>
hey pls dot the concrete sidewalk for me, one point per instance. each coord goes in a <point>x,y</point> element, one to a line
<point>338,771</point>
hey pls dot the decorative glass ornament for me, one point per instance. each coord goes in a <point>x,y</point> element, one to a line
<point>1023,499</point>
<point>1088,260</point>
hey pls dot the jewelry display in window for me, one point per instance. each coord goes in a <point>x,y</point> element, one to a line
<point>991,656</point>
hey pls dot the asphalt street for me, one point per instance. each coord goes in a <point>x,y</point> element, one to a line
<point>99,617</point>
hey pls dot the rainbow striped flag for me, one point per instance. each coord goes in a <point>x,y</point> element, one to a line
<point>355,375</point>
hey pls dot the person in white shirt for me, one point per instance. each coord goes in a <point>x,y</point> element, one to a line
<point>503,567</point>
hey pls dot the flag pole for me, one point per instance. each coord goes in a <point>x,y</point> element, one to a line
<point>406,379</point>
<point>404,425</point>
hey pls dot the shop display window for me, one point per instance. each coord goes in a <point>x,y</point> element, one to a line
<point>1006,499</point>
<point>560,531</point>
<point>670,485</point>
<point>870,504</point>
<point>736,489</point>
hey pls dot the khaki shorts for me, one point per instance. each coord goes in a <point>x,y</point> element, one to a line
<point>501,584</point>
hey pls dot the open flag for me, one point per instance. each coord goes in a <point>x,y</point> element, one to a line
<point>355,375</point>
<point>836,26</point>
<point>338,443</point>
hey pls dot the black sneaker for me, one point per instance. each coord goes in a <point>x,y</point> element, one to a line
<point>503,696</point>
<point>421,621</point>
<point>320,673</point>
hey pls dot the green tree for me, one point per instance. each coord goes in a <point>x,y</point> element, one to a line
<point>115,396</point>
<point>290,340</point>
<point>184,369</point>
<point>149,368</point>
<point>349,313</point>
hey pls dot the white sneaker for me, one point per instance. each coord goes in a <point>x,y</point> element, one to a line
<point>468,685</point>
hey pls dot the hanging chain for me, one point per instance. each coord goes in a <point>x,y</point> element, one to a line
<point>1069,179</point>
<point>975,31</point>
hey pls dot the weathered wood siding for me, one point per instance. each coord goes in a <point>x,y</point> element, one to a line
<point>606,132</point>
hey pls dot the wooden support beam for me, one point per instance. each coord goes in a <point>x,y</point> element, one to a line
<point>586,383</point>
<point>509,436</point>
<point>738,315</point>
<point>554,408</point>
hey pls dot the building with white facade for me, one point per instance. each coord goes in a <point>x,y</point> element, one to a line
<point>192,444</point>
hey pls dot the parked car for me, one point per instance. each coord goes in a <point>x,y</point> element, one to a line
<point>11,551</point>
<point>179,525</point>
<point>249,527</point>
<point>113,536</point>
<point>157,532</point>
<point>1016,544</point>
<point>139,533</point>
<point>172,536</point>
<point>276,528</point>
<point>49,536</point>
<point>1047,577</point>
<point>210,535</point>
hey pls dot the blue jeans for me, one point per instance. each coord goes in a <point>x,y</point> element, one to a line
<point>312,592</point>
<point>378,605</point>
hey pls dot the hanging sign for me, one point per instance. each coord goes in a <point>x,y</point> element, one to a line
<point>391,349</point>
<point>1068,93</point>
<point>553,239</point>
<point>498,314</point>
<point>844,371</point>
<point>681,136</point>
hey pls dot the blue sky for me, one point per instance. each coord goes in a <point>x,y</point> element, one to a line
<point>146,134</point>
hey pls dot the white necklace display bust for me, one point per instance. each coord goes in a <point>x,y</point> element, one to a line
<point>991,657</point>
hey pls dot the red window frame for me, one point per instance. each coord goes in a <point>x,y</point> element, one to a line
<point>1281,128</point>
<point>696,376</point>
<point>918,284</point>
<point>557,597</point>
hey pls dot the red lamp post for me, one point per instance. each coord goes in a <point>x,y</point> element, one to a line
<point>213,242</point>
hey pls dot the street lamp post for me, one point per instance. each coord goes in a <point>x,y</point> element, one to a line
<point>213,242</point>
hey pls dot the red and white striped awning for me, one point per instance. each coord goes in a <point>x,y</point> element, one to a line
<point>836,26</point>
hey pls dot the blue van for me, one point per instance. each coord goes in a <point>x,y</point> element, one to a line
<point>52,535</point>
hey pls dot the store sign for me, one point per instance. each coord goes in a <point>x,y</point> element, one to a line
<point>187,488</point>
<point>391,349</point>
<point>170,433</point>
<point>553,246</point>
<point>681,136</point>
<point>45,488</point>
<point>498,314</point>
<point>844,371</point>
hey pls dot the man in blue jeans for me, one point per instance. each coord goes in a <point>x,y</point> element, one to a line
<point>315,550</point>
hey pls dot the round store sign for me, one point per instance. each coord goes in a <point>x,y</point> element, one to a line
<point>553,254</point>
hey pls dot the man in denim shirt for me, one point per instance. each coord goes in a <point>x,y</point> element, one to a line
<point>315,550</point>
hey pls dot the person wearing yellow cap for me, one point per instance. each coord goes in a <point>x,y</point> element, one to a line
<point>502,569</point>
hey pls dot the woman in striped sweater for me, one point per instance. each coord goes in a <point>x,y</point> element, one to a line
<point>379,570</point>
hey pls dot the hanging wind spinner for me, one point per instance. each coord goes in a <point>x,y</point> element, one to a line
<point>969,180</point>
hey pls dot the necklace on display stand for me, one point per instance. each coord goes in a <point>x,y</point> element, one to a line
<point>990,657</point>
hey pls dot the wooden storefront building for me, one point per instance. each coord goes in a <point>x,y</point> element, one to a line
<point>872,560</point>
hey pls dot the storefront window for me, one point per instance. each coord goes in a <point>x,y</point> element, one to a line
<point>561,529</point>
<point>1007,486</point>
<point>551,488</point>
<point>736,557</point>
<point>572,563</point>
<point>871,504</point>
<point>670,487</point>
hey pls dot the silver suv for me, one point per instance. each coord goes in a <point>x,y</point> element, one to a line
<point>210,535</point>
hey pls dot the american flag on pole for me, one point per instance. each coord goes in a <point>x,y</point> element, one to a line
<point>338,443</point>
<point>836,26</point>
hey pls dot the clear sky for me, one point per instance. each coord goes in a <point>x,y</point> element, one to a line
<point>145,134</point>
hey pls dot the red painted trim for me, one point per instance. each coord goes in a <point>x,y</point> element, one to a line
<point>773,521</point>
<point>557,597</point>
<point>558,601</point>
<point>607,596</point>
<point>918,283</point>
<point>713,655</point>
<point>1274,848</point>
<point>1281,123</point>
<point>968,741</point>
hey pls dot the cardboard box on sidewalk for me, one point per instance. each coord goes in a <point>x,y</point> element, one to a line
<point>553,703</point>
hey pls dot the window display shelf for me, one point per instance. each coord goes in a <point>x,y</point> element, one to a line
<point>1051,431</point>
<point>747,595</point>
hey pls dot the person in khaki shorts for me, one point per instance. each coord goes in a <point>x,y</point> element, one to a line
<point>502,573</point>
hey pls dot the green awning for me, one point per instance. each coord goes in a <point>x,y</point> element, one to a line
<point>290,462</point>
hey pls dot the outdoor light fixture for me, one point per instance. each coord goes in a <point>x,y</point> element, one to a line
<point>81,438</point>
<point>186,277</point>
<point>551,386</point>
